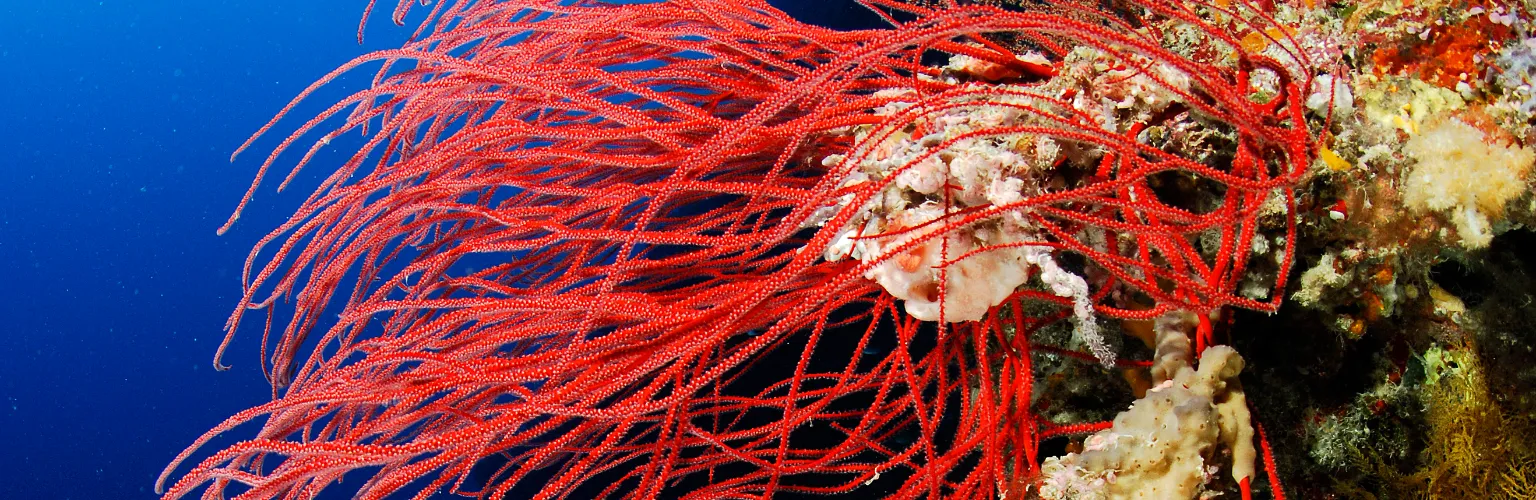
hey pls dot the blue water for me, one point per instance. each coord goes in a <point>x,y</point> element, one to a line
<point>117,120</point>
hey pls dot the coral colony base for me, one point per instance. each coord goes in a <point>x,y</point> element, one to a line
<point>701,249</point>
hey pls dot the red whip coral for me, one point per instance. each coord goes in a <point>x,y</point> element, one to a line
<point>594,242</point>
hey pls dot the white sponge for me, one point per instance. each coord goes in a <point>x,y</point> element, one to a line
<point>1462,173</point>
<point>1168,444</point>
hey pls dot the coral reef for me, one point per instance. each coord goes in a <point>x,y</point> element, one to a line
<point>1070,249</point>
<point>1413,285</point>
<point>1402,363</point>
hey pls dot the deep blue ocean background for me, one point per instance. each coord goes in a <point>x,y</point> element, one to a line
<point>118,119</point>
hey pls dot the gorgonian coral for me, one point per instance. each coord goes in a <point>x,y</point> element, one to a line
<point>697,247</point>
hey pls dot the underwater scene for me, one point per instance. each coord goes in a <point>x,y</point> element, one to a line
<point>1000,249</point>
